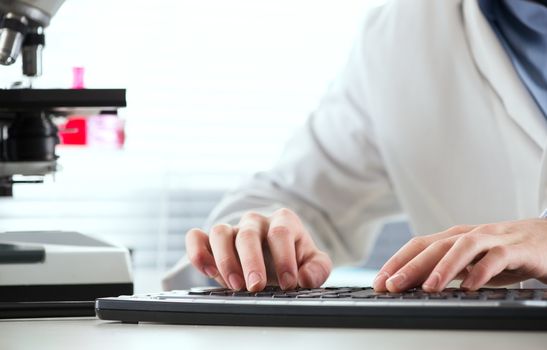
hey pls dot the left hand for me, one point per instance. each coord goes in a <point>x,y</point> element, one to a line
<point>495,254</point>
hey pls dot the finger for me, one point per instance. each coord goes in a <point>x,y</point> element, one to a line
<point>411,249</point>
<point>281,238</point>
<point>462,254</point>
<point>226,259</point>
<point>221,281</point>
<point>199,253</point>
<point>315,270</point>
<point>505,278</point>
<point>248,242</point>
<point>418,269</point>
<point>492,264</point>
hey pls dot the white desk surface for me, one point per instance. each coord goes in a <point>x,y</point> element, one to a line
<point>91,333</point>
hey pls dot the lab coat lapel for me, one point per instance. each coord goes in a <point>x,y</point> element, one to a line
<point>496,66</point>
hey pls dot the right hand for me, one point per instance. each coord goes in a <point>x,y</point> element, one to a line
<point>259,251</point>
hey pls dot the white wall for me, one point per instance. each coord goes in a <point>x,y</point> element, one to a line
<point>214,89</point>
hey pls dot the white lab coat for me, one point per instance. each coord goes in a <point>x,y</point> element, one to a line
<point>429,119</point>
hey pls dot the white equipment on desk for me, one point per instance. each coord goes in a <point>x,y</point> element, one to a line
<point>61,266</point>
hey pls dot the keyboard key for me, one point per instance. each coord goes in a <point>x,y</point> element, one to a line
<point>330,296</point>
<point>220,294</point>
<point>388,296</point>
<point>364,294</point>
<point>438,296</point>
<point>411,296</point>
<point>310,295</point>
<point>282,296</point>
<point>496,296</point>
<point>201,292</point>
<point>471,296</point>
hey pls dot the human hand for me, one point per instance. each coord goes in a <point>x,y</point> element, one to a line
<point>259,251</point>
<point>495,254</point>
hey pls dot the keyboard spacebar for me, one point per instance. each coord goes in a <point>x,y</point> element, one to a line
<point>363,294</point>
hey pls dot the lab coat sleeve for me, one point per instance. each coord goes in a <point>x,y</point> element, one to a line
<point>331,174</point>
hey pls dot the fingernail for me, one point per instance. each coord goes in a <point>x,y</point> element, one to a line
<point>211,271</point>
<point>380,278</point>
<point>254,278</point>
<point>397,281</point>
<point>286,281</point>
<point>433,281</point>
<point>235,281</point>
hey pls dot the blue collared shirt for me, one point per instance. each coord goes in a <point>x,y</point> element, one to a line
<point>521,26</point>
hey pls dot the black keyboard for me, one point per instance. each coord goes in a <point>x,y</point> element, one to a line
<point>488,308</point>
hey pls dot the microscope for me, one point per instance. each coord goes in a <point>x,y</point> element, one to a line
<point>28,135</point>
<point>47,273</point>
